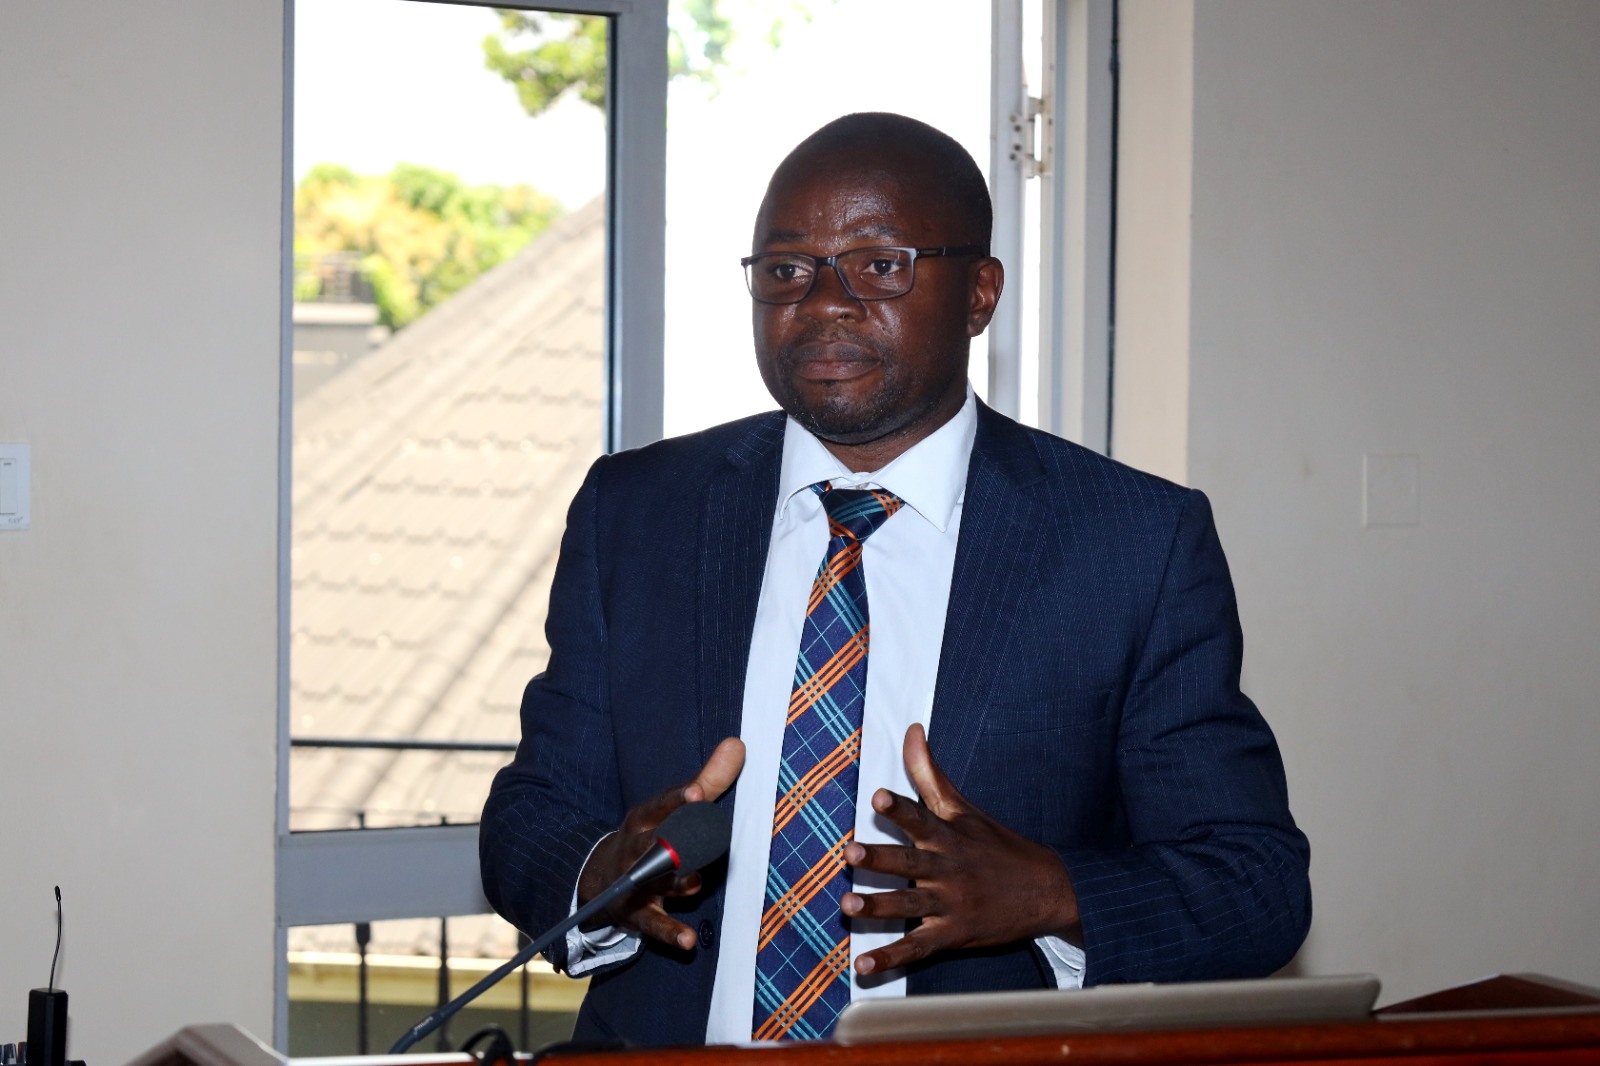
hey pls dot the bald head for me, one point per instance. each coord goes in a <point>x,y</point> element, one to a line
<point>910,152</point>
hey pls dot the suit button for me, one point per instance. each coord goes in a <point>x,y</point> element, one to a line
<point>708,935</point>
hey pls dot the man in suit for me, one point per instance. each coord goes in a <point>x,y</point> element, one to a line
<point>1052,778</point>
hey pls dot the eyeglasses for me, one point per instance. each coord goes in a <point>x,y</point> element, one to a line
<point>865,273</point>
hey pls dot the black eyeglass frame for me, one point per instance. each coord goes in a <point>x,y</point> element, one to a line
<point>821,261</point>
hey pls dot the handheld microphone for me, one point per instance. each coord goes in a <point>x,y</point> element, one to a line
<point>692,836</point>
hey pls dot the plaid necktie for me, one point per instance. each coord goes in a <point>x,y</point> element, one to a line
<point>803,949</point>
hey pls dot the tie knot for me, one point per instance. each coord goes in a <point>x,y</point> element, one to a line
<point>856,513</point>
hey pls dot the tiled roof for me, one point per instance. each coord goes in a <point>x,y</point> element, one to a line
<point>431,480</point>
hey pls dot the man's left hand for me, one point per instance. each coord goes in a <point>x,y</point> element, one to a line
<point>974,882</point>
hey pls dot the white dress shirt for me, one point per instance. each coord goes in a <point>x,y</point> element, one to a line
<point>908,564</point>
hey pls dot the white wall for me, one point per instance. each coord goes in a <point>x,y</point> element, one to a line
<point>1395,248</point>
<point>140,159</point>
<point>1155,181</point>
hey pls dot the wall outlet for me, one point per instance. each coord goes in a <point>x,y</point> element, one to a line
<point>16,478</point>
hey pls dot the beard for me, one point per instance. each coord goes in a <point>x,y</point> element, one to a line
<point>847,419</point>
<point>845,412</point>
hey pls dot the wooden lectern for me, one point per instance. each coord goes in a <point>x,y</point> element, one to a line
<point>1520,1020</point>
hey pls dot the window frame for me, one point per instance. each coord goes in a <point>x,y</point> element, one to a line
<point>1071,126</point>
<point>1078,207</point>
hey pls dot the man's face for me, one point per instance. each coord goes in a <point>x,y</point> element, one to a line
<point>884,373</point>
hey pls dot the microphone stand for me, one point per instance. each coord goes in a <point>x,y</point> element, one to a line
<point>620,887</point>
<point>702,832</point>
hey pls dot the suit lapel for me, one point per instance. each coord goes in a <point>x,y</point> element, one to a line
<point>996,556</point>
<point>735,532</point>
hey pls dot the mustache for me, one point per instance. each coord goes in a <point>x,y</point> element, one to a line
<point>826,342</point>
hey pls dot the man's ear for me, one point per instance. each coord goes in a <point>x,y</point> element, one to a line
<point>986,281</point>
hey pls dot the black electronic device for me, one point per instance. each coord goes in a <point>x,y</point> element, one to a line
<point>47,1013</point>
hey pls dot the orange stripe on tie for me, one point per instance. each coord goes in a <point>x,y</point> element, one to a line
<point>830,575</point>
<point>839,758</point>
<point>808,692</point>
<point>804,890</point>
<point>793,1008</point>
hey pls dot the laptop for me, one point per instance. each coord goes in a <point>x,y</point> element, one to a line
<point>1110,1008</point>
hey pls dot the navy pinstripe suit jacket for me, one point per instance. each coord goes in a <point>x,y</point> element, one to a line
<point>1087,696</point>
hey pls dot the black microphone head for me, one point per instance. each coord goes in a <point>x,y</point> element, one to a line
<point>697,833</point>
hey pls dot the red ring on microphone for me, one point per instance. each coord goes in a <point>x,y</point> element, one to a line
<point>677,863</point>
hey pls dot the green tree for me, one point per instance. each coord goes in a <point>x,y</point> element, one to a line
<point>546,56</point>
<point>568,53</point>
<point>419,234</point>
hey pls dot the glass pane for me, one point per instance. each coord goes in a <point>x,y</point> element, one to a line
<point>330,1015</point>
<point>449,389</point>
<point>772,73</point>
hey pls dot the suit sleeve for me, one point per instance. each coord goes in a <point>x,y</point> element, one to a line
<point>1214,882</point>
<point>560,794</point>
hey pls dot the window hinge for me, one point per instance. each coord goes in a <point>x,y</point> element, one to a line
<point>1025,138</point>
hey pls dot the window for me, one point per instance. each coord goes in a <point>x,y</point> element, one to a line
<point>1025,85</point>
<point>458,359</point>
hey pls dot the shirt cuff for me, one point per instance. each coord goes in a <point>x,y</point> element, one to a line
<point>587,951</point>
<point>1066,961</point>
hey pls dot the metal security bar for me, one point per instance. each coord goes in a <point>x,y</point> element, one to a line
<point>393,744</point>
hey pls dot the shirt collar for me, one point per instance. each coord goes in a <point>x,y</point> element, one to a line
<point>930,476</point>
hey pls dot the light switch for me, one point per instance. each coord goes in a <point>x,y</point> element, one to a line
<point>15,477</point>
<point>1391,490</point>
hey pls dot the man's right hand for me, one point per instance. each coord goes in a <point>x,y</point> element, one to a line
<point>642,911</point>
